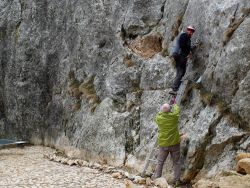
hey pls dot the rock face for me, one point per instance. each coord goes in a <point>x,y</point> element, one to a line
<point>244,164</point>
<point>224,181</point>
<point>89,76</point>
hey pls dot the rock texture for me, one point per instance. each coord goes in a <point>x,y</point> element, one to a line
<point>88,77</point>
<point>227,179</point>
<point>244,164</point>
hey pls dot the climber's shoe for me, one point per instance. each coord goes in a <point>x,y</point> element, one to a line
<point>172,92</point>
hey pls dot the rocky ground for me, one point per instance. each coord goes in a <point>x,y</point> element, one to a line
<point>91,75</point>
<point>27,167</point>
<point>225,180</point>
<point>32,166</point>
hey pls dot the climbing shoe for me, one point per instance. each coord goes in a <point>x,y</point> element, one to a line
<point>172,92</point>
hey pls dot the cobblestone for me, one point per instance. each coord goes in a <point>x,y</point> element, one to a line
<point>27,168</point>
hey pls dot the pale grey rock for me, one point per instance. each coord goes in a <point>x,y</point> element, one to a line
<point>221,159</point>
<point>103,117</point>
<point>139,180</point>
<point>71,162</point>
<point>161,182</point>
<point>157,74</point>
<point>225,131</point>
<point>44,45</point>
<point>242,98</point>
<point>117,175</point>
<point>142,15</point>
<point>171,21</point>
<point>246,145</point>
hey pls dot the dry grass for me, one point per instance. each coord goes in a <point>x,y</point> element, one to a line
<point>235,119</point>
<point>147,46</point>
<point>85,89</point>
<point>197,86</point>
<point>93,107</point>
<point>245,11</point>
<point>164,52</point>
<point>206,97</point>
<point>230,30</point>
<point>17,32</point>
<point>56,90</point>
<point>128,61</point>
<point>129,106</point>
<point>223,107</point>
<point>88,91</point>
<point>77,106</point>
<point>135,88</point>
<point>93,99</point>
<point>71,75</point>
<point>74,89</point>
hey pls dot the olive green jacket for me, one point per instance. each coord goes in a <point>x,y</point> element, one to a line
<point>168,127</point>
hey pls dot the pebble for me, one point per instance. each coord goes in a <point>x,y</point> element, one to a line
<point>117,175</point>
<point>29,167</point>
<point>161,182</point>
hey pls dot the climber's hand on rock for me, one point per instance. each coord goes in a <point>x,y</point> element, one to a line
<point>190,56</point>
<point>184,136</point>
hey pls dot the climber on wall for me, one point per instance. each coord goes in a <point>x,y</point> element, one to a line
<point>181,52</point>
<point>168,139</point>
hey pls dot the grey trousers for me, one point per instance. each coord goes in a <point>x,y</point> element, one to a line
<point>162,156</point>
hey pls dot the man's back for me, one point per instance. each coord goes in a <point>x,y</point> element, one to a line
<point>183,45</point>
<point>168,127</point>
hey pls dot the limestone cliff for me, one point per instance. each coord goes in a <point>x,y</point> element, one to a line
<point>89,76</point>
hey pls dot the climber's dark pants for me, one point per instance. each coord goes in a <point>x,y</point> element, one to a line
<point>181,64</point>
<point>162,156</point>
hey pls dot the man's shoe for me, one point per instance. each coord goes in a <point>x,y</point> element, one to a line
<point>172,92</point>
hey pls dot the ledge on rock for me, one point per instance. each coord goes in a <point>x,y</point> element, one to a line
<point>147,46</point>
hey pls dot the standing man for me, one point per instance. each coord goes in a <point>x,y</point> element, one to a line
<point>168,139</point>
<point>182,51</point>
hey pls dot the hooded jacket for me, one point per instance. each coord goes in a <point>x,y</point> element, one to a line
<point>168,127</point>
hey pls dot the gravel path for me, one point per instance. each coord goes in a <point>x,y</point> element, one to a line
<point>26,167</point>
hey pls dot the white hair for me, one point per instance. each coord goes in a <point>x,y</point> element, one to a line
<point>165,107</point>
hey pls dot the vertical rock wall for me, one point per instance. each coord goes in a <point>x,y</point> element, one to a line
<point>88,77</point>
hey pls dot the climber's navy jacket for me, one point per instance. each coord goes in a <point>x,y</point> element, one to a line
<point>183,45</point>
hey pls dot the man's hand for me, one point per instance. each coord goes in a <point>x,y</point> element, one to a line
<point>184,136</point>
<point>173,100</point>
<point>190,55</point>
<point>196,44</point>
